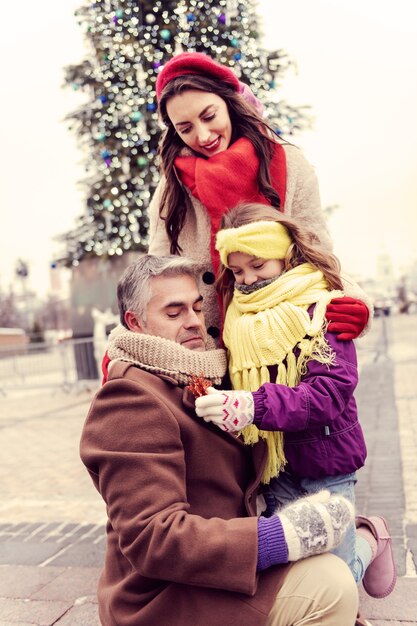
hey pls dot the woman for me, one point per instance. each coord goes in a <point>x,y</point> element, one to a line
<point>217,152</point>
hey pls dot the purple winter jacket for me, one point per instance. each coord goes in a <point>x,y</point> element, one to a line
<point>319,418</point>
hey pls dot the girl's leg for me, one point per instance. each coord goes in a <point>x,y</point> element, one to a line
<point>368,545</point>
<point>286,488</point>
<point>366,548</point>
<point>356,554</point>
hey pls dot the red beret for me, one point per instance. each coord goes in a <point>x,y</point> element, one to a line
<point>194,63</point>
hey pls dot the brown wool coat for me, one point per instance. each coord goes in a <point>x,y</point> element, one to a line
<point>181,499</point>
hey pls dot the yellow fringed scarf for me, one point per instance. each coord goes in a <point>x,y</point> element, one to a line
<point>264,328</point>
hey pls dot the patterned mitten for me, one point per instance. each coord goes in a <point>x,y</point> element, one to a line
<point>229,410</point>
<point>315,524</point>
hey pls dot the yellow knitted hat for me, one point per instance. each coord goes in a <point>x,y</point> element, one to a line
<point>263,239</point>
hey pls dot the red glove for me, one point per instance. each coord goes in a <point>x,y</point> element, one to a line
<point>347,317</point>
<point>104,367</point>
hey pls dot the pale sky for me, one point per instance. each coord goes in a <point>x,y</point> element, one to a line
<point>357,68</point>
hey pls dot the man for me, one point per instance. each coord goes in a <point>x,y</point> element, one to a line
<point>184,544</point>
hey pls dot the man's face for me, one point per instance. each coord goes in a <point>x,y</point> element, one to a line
<point>174,312</point>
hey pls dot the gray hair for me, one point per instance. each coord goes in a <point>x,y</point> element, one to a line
<point>134,288</point>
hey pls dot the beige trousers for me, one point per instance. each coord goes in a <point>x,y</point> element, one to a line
<point>319,590</point>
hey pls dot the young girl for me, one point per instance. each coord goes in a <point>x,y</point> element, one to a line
<point>276,283</point>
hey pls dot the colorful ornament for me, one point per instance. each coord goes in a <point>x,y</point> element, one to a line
<point>165,34</point>
<point>199,385</point>
<point>136,116</point>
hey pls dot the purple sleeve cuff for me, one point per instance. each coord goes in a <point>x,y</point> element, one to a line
<point>272,547</point>
<point>258,401</point>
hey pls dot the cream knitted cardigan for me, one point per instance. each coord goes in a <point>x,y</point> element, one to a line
<point>302,202</point>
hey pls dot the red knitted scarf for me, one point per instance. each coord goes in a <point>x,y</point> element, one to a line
<point>229,178</point>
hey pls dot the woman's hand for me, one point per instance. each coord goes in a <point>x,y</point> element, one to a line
<point>347,317</point>
<point>229,410</point>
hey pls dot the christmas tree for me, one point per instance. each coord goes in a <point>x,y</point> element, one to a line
<point>118,127</point>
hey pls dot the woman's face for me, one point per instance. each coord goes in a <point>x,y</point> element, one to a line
<point>202,121</point>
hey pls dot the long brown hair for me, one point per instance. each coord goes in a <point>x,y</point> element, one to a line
<point>305,247</point>
<point>175,201</point>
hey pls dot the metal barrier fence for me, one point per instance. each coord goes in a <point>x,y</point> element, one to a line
<point>63,365</point>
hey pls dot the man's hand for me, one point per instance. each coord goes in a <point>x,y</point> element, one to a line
<point>229,410</point>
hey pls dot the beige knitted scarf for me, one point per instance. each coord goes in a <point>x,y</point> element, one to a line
<point>163,356</point>
<point>265,328</point>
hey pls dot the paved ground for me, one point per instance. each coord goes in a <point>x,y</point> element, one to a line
<point>52,520</point>
<point>387,400</point>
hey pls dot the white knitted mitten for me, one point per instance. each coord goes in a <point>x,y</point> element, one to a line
<point>315,524</point>
<point>229,410</point>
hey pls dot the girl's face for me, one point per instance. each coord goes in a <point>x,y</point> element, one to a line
<point>248,269</point>
<point>202,121</point>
